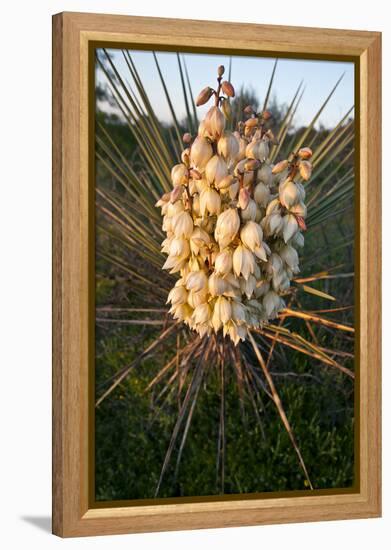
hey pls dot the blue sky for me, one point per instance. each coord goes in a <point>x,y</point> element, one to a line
<point>319,78</point>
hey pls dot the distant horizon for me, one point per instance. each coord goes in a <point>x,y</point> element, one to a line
<point>253,73</point>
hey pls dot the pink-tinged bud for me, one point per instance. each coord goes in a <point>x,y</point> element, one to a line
<point>280,167</point>
<point>228,89</point>
<point>176,193</point>
<point>305,169</point>
<point>301,223</point>
<point>195,174</point>
<point>266,115</point>
<point>244,198</point>
<point>220,70</point>
<point>248,110</point>
<point>305,153</point>
<point>186,138</point>
<point>204,96</point>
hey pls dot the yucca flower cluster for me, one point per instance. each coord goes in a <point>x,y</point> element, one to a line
<point>233,221</point>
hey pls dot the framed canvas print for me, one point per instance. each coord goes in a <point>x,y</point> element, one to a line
<point>216,230</point>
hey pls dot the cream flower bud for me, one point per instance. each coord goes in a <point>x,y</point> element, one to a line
<point>199,238</point>
<point>298,240</point>
<point>216,169</point>
<point>196,280</point>
<point>214,122</point>
<point>262,288</point>
<point>265,174</point>
<point>305,153</point>
<point>176,193</point>
<point>204,96</point>
<point>262,194</point>
<point>180,247</point>
<point>275,223</point>
<point>175,207</point>
<point>247,287</point>
<point>250,212</point>
<point>233,190</point>
<point>290,226</point>
<point>299,209</point>
<point>182,225</point>
<point>201,152</point>
<point>275,263</point>
<point>179,174</point>
<point>182,312</point>
<point>243,261</point>
<point>226,108</point>
<point>227,227</point>
<point>202,313</point>
<point>203,131</point>
<point>223,262</point>
<point>272,303</point>
<point>196,205</point>
<point>227,88</point>
<point>251,235</point>
<point>305,169</point>
<point>289,193</point>
<point>238,312</point>
<point>185,157</point>
<point>261,252</point>
<point>196,298</point>
<point>242,149</point>
<point>201,185</point>
<point>210,202</point>
<point>228,146</point>
<point>301,190</point>
<point>244,198</point>
<point>290,257</point>
<point>273,206</point>
<point>258,149</point>
<point>177,296</point>
<point>260,214</point>
<point>221,313</point>
<point>226,182</point>
<point>280,167</point>
<point>217,285</point>
<point>193,187</point>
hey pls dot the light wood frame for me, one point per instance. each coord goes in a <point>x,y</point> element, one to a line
<point>73,514</point>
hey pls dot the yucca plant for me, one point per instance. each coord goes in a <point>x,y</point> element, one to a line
<point>256,179</point>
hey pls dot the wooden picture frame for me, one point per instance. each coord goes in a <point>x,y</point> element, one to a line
<point>74,512</point>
